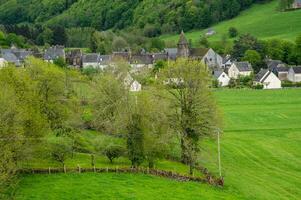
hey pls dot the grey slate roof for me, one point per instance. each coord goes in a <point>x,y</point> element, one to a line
<point>263,73</point>
<point>91,58</point>
<point>11,58</point>
<point>243,66</point>
<point>273,64</point>
<point>171,52</point>
<point>104,59</point>
<point>217,74</point>
<point>297,69</point>
<point>159,56</point>
<point>282,69</point>
<point>198,52</point>
<point>54,52</point>
<point>142,59</point>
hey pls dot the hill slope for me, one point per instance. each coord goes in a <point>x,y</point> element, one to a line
<point>162,15</point>
<point>261,20</point>
<point>260,150</point>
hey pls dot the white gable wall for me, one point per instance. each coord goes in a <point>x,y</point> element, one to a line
<point>272,82</point>
<point>233,71</point>
<point>223,79</point>
<point>3,62</point>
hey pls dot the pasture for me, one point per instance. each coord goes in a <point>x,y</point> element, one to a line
<point>260,158</point>
<point>264,21</point>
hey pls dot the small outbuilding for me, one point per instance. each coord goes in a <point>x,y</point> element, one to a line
<point>294,74</point>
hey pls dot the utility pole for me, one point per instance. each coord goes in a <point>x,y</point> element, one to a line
<point>219,153</point>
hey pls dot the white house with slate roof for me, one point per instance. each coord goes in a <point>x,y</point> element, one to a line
<point>294,74</point>
<point>268,79</point>
<point>240,69</point>
<point>222,78</point>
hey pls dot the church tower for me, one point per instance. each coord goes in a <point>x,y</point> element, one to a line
<point>183,46</point>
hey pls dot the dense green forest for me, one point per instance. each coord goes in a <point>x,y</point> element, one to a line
<point>161,15</point>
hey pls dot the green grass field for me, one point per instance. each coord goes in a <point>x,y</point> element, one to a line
<point>260,158</point>
<point>262,20</point>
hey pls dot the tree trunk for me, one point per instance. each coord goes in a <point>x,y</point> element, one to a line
<point>184,156</point>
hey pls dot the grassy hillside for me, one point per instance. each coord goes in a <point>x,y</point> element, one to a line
<point>260,158</point>
<point>261,20</point>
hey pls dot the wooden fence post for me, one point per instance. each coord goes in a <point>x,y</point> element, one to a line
<point>107,169</point>
<point>49,170</point>
<point>65,170</point>
<point>94,168</point>
<point>78,168</point>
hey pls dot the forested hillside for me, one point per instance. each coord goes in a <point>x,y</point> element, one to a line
<point>162,16</point>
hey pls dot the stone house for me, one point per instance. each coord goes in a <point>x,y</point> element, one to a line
<point>54,52</point>
<point>240,69</point>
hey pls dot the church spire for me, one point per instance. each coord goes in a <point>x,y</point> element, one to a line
<point>183,46</point>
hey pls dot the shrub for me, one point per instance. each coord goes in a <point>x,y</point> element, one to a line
<point>233,32</point>
<point>258,87</point>
<point>112,152</point>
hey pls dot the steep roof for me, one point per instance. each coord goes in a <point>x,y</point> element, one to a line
<point>171,53</point>
<point>273,63</point>
<point>160,56</point>
<point>91,58</point>
<point>142,59</point>
<point>282,69</point>
<point>263,73</point>
<point>243,66</point>
<point>217,74</point>
<point>198,52</point>
<point>297,69</point>
<point>104,59</point>
<point>182,40</point>
<point>54,52</point>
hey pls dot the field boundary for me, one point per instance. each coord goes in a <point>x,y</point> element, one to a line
<point>209,179</point>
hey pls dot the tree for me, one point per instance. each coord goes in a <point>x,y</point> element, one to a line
<point>244,43</point>
<point>285,4</point>
<point>61,150</point>
<point>298,49</point>
<point>254,58</point>
<point>194,112</point>
<point>119,44</point>
<point>204,41</point>
<point>135,140</point>
<point>113,151</point>
<point>233,32</point>
<point>60,62</point>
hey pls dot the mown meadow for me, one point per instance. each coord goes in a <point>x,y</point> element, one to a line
<point>264,21</point>
<point>260,158</point>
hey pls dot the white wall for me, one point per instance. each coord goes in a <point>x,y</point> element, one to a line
<point>272,82</point>
<point>233,71</point>
<point>2,62</point>
<point>223,79</point>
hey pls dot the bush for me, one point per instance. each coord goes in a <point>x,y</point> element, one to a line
<point>290,84</point>
<point>258,87</point>
<point>233,32</point>
<point>112,152</point>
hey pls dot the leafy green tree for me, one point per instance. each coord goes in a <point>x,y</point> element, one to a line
<point>194,112</point>
<point>244,43</point>
<point>60,62</point>
<point>113,151</point>
<point>135,140</point>
<point>254,58</point>
<point>61,150</point>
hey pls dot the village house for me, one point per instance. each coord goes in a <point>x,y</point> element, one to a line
<point>222,78</point>
<point>294,74</point>
<point>268,79</point>
<point>74,57</point>
<point>238,69</point>
<point>55,52</point>
<point>141,61</point>
<point>208,56</point>
<point>15,56</point>
<point>96,60</point>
